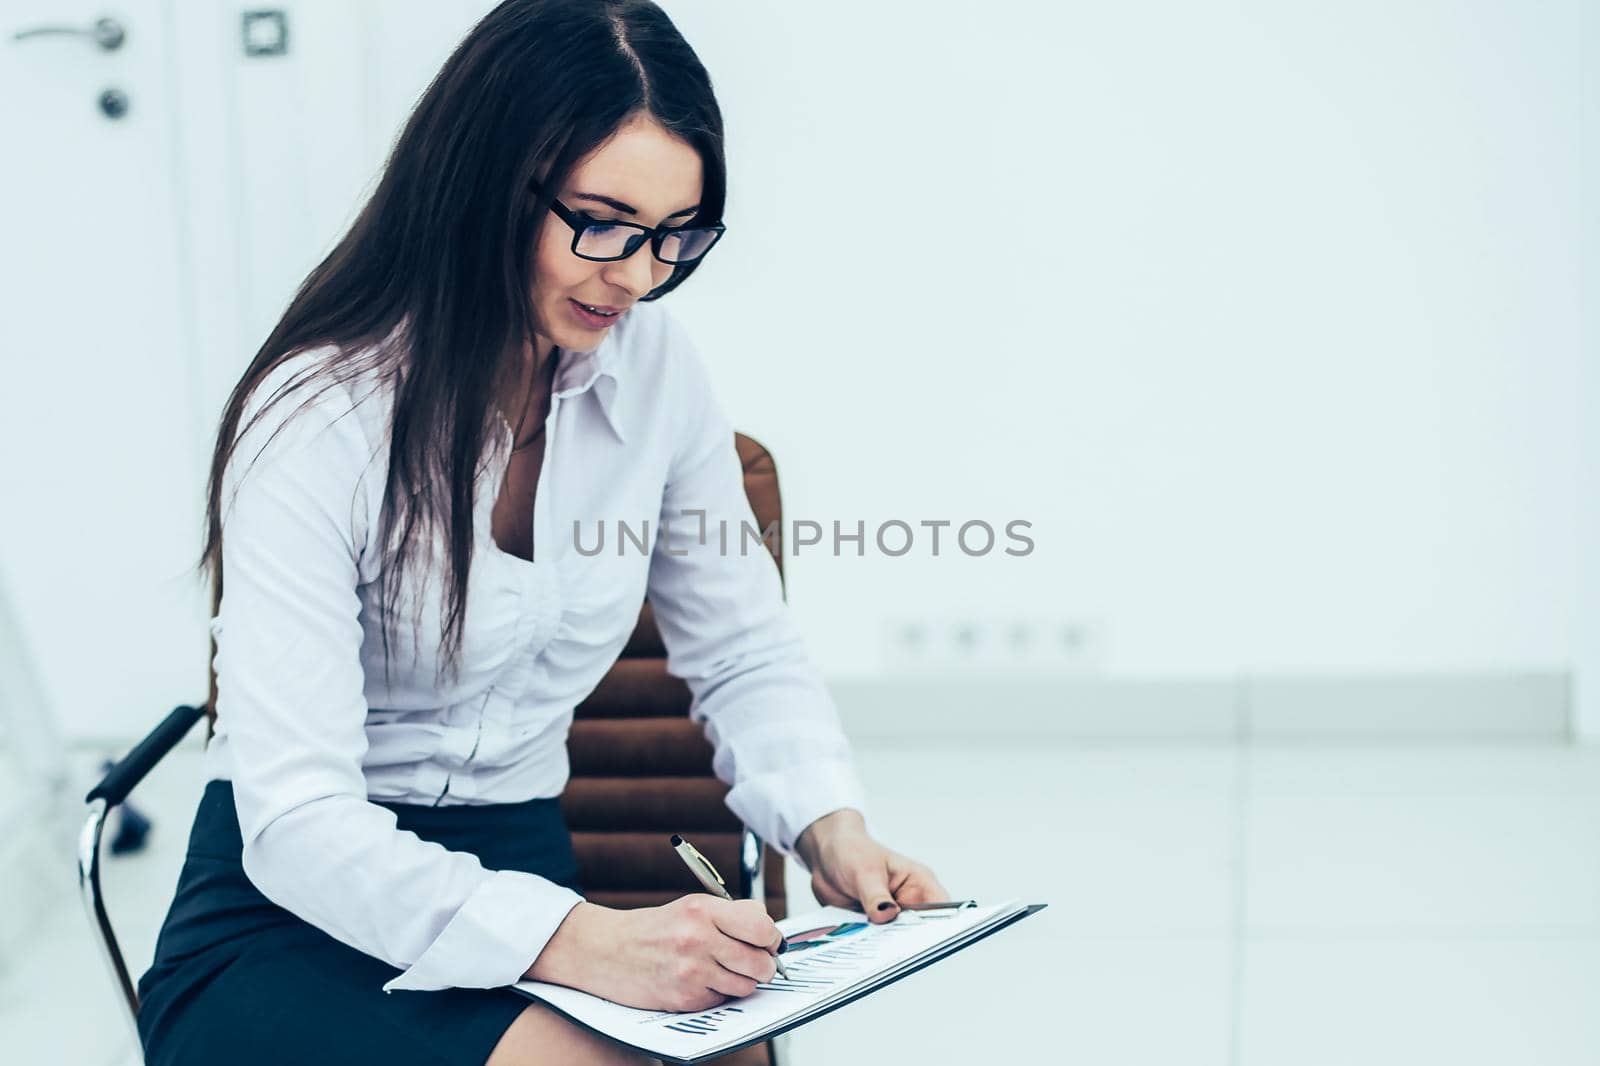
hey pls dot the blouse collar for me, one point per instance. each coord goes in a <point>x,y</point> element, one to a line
<point>597,368</point>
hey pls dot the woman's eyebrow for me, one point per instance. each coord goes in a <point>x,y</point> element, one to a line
<point>626,208</point>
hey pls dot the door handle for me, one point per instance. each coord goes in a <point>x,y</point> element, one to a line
<point>107,33</point>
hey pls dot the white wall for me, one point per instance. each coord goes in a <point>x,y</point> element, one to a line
<point>1298,389</point>
<point>1587,687</point>
<point>1267,317</point>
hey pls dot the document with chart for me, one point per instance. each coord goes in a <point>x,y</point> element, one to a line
<point>834,956</point>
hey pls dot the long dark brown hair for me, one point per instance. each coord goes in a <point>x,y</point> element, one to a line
<point>439,263</point>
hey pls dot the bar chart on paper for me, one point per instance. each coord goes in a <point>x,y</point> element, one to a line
<point>835,956</point>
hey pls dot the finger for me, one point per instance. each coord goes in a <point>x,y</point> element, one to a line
<point>901,870</point>
<point>730,982</point>
<point>922,890</point>
<point>830,895</point>
<point>912,882</point>
<point>744,960</point>
<point>872,890</point>
<point>746,920</point>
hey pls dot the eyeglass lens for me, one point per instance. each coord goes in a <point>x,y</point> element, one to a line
<point>612,242</point>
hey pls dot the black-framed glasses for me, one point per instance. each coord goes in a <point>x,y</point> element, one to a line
<point>607,240</point>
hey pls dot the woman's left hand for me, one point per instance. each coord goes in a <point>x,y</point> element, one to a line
<point>850,869</point>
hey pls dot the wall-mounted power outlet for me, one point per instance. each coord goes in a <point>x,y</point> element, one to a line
<point>265,33</point>
<point>995,643</point>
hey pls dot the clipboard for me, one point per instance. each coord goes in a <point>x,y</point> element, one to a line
<point>835,957</point>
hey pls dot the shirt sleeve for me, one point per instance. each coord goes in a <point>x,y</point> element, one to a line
<point>719,603</point>
<point>291,703</point>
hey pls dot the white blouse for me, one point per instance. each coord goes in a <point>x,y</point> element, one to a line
<point>309,728</point>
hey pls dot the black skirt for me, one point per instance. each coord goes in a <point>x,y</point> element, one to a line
<point>238,979</point>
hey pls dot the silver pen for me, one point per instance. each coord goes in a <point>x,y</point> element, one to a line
<point>707,875</point>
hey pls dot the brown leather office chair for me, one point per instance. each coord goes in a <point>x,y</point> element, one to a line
<point>641,770</point>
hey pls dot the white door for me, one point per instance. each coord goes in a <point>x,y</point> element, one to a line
<point>100,498</point>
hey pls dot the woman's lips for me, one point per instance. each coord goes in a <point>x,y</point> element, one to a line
<point>589,318</point>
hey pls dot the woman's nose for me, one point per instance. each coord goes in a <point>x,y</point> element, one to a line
<point>635,273</point>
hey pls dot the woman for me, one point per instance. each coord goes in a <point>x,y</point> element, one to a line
<point>406,624</point>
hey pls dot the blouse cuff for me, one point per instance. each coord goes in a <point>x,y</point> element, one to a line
<point>494,938</point>
<point>797,798</point>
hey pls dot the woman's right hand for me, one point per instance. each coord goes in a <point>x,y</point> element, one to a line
<point>686,955</point>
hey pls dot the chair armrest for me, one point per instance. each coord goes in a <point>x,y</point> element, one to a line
<point>134,766</point>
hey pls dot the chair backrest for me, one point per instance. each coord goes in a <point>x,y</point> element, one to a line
<point>641,769</point>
